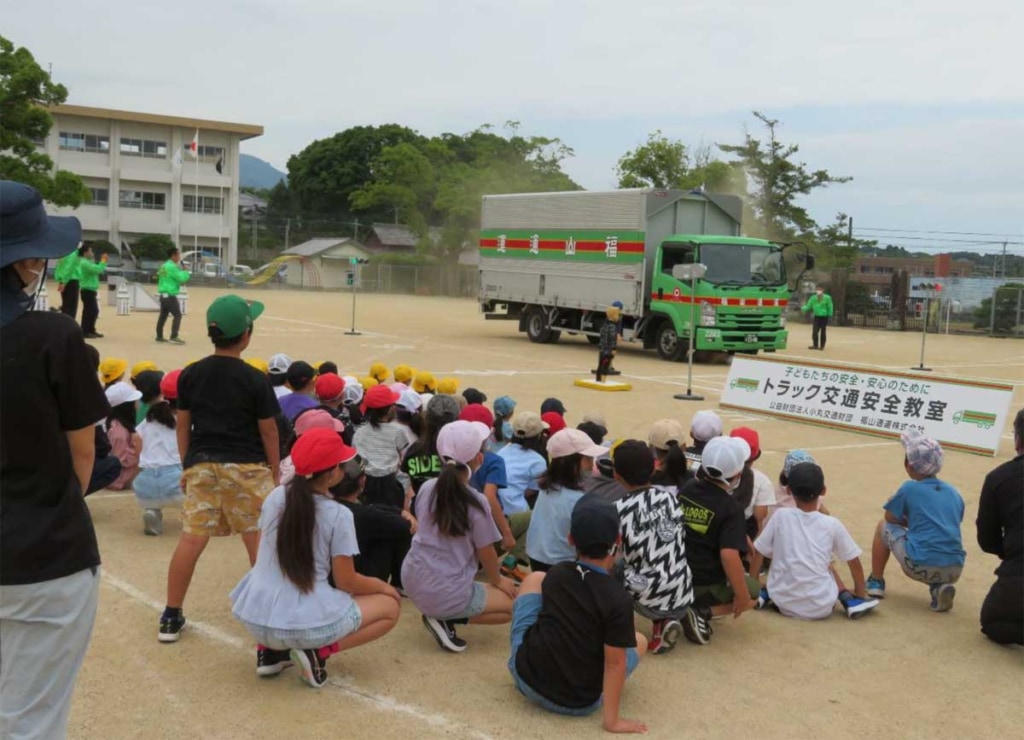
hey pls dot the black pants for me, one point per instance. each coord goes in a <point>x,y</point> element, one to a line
<point>90,311</point>
<point>820,332</point>
<point>169,306</point>
<point>385,491</point>
<point>104,472</point>
<point>1002,613</point>
<point>604,364</point>
<point>538,567</point>
<point>69,300</point>
<point>383,559</point>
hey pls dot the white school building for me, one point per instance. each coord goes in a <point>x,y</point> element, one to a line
<point>145,179</point>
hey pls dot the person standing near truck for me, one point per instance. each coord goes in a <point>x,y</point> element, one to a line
<point>820,305</point>
<point>170,279</point>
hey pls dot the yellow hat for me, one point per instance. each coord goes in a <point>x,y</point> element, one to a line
<point>448,386</point>
<point>379,371</point>
<point>259,364</point>
<point>423,382</point>
<point>112,369</point>
<point>368,382</point>
<point>141,367</point>
<point>404,374</point>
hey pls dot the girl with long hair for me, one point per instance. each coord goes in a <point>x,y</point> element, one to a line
<point>286,601</point>
<point>125,441</point>
<point>667,440</point>
<point>420,461</point>
<point>158,483</point>
<point>525,464</point>
<point>454,533</point>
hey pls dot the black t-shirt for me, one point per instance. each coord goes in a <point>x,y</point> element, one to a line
<point>562,655</point>
<point>227,398</point>
<point>48,386</point>
<point>374,525</point>
<point>421,464</point>
<point>1001,516</point>
<point>714,522</point>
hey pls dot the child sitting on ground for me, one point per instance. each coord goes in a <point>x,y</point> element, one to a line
<point>285,601</point>
<point>801,541</point>
<point>490,477</point>
<point>654,552</point>
<point>381,443</point>
<point>666,439</point>
<point>124,440</point>
<point>455,532</point>
<point>783,499</point>
<point>921,526</point>
<point>705,426</point>
<point>525,464</point>
<point>158,483</point>
<point>573,639</point>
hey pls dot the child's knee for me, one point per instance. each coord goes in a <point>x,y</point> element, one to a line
<point>641,645</point>
<point>531,584</point>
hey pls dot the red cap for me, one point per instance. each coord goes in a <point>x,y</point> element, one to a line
<point>751,437</point>
<point>169,385</point>
<point>555,422</point>
<point>318,450</point>
<point>329,387</point>
<point>477,412</point>
<point>380,397</point>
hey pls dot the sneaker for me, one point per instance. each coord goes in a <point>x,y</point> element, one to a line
<point>161,340</point>
<point>444,633</point>
<point>856,607</point>
<point>942,597</point>
<point>171,628</point>
<point>271,662</point>
<point>763,599</point>
<point>311,667</point>
<point>812,348</point>
<point>153,522</point>
<point>515,572</point>
<point>664,636</point>
<point>93,335</point>
<point>176,340</point>
<point>697,626</point>
<point>876,587</point>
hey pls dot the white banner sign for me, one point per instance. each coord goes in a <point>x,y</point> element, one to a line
<point>962,414</point>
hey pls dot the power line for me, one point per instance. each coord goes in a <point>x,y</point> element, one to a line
<point>926,231</point>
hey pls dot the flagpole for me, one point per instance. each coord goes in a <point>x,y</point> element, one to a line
<point>195,197</point>
<point>220,221</point>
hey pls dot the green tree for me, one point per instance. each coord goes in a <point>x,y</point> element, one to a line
<point>1006,310</point>
<point>26,90</point>
<point>662,162</point>
<point>776,182</point>
<point>834,246</point>
<point>152,247</point>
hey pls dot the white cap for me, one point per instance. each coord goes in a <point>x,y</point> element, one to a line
<point>353,394</point>
<point>122,392</point>
<point>705,425</point>
<point>461,441</point>
<point>408,400</point>
<point>573,442</point>
<point>723,457</point>
<point>279,364</point>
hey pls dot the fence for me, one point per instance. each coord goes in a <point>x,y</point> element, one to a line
<point>454,281</point>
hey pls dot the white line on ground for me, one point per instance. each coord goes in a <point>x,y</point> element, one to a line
<point>362,332</point>
<point>835,447</point>
<point>107,494</point>
<point>384,703</point>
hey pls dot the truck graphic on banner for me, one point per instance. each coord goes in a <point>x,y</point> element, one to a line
<point>745,384</point>
<point>979,418</point>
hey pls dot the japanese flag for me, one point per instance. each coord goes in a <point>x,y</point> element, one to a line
<point>193,148</point>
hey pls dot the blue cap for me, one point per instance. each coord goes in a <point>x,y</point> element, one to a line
<point>26,232</point>
<point>617,304</point>
<point>504,406</point>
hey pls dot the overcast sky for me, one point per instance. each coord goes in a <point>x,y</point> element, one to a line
<point>920,101</point>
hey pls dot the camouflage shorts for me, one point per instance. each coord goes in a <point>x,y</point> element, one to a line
<point>224,498</point>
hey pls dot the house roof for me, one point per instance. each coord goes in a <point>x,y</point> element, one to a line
<point>248,200</point>
<point>314,247</point>
<point>244,130</point>
<point>400,235</point>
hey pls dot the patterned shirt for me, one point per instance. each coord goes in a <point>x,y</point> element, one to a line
<point>608,337</point>
<point>657,574</point>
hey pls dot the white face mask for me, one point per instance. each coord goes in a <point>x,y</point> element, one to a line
<point>37,283</point>
<point>821,293</point>
<point>733,484</point>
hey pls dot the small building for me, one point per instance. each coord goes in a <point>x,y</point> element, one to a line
<point>326,262</point>
<point>396,239</point>
<point>878,271</point>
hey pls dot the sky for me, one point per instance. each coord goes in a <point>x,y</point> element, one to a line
<point>920,101</point>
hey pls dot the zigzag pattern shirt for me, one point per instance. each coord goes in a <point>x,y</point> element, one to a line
<point>656,572</point>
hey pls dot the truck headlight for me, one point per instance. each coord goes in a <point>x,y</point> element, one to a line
<point>707,314</point>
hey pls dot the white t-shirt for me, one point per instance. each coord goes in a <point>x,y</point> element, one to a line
<point>159,445</point>
<point>281,391</point>
<point>801,545</point>
<point>266,597</point>
<point>764,493</point>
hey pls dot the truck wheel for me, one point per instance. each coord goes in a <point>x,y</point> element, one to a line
<point>553,336</point>
<point>593,340</point>
<point>536,327</point>
<point>670,346</point>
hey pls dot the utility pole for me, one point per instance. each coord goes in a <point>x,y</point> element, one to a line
<point>287,228</point>
<point>1003,261</point>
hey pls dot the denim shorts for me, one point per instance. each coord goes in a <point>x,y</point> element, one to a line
<point>307,639</point>
<point>156,488</point>
<point>895,538</point>
<point>476,604</point>
<point>525,611</point>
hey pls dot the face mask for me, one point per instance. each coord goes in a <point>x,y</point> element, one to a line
<point>733,484</point>
<point>37,283</point>
<point>821,293</point>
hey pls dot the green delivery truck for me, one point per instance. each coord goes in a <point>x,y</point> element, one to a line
<point>555,261</point>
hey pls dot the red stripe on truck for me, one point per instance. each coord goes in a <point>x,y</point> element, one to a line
<point>558,245</point>
<point>714,301</point>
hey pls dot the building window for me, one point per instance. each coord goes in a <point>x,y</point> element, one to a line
<point>100,196</point>
<point>143,199</point>
<point>144,148</point>
<point>206,204</point>
<point>84,142</point>
<point>209,153</point>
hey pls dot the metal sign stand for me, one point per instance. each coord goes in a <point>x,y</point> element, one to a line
<point>355,262</point>
<point>930,291</point>
<point>692,272</point>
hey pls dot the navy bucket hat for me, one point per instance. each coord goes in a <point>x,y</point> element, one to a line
<point>26,232</point>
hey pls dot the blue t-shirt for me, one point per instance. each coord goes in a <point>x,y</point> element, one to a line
<point>547,539</point>
<point>933,510</point>
<point>295,403</point>
<point>523,470</point>
<point>491,471</point>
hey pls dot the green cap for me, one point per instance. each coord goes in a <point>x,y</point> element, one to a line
<point>230,316</point>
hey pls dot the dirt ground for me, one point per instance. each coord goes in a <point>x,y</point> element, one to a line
<point>899,672</point>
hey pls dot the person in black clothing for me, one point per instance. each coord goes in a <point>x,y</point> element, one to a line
<point>50,402</point>
<point>106,468</point>
<point>607,342</point>
<point>383,533</point>
<point>574,642</point>
<point>1001,532</point>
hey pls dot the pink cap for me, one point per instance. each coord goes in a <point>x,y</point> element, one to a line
<point>573,442</point>
<point>317,419</point>
<point>461,441</point>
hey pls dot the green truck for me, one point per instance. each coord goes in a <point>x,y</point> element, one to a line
<point>555,261</point>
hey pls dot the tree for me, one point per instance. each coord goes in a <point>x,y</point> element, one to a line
<point>834,245</point>
<point>152,247</point>
<point>1007,297</point>
<point>662,162</point>
<point>777,181</point>
<point>26,90</point>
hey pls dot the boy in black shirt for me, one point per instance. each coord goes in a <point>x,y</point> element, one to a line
<point>573,638</point>
<point>607,341</point>
<point>229,445</point>
<point>716,537</point>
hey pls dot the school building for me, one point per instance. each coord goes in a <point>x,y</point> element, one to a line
<point>152,174</point>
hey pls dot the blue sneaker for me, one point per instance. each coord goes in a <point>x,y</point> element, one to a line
<point>856,607</point>
<point>942,597</point>
<point>876,587</point>
<point>763,599</point>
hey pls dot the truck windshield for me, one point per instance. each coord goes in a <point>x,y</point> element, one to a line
<point>743,264</point>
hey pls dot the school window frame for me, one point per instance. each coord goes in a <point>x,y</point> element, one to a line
<point>209,153</point>
<point>145,200</point>
<point>149,148</point>
<point>100,196</point>
<point>211,204</point>
<point>74,141</point>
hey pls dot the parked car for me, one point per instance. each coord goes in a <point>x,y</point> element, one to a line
<point>241,271</point>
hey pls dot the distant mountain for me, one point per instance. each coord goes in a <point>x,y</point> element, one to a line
<point>253,172</point>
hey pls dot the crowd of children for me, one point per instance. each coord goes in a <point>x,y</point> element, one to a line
<point>351,493</point>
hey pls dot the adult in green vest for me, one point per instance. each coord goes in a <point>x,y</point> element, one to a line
<point>170,279</point>
<point>66,276</point>
<point>89,271</point>
<point>820,305</point>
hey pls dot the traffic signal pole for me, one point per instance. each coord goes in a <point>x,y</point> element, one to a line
<point>354,274</point>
